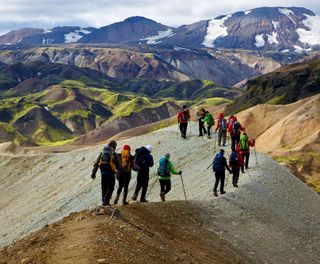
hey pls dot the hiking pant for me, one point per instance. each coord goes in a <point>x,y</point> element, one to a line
<point>234,141</point>
<point>124,180</point>
<point>107,186</point>
<point>183,129</point>
<point>201,128</point>
<point>245,157</point>
<point>142,182</point>
<point>235,175</point>
<point>220,177</point>
<point>165,186</point>
<point>222,135</point>
<point>209,130</point>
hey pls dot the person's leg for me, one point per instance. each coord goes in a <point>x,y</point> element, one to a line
<point>247,160</point>
<point>233,143</point>
<point>236,172</point>
<point>127,178</point>
<point>185,129</point>
<point>224,137</point>
<point>233,176</point>
<point>103,188</point>
<point>138,186</point>
<point>222,178</point>
<point>168,186</point>
<point>216,184</point>
<point>219,137</point>
<point>242,166</point>
<point>110,182</point>
<point>200,128</point>
<point>145,183</point>
<point>209,131</point>
<point>181,129</point>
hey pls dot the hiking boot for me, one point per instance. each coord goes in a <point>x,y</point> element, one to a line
<point>209,137</point>
<point>200,135</point>
<point>222,192</point>
<point>134,197</point>
<point>116,199</point>
<point>106,204</point>
<point>163,197</point>
<point>143,201</point>
<point>215,193</point>
<point>125,203</point>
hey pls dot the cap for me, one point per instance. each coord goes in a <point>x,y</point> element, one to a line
<point>149,147</point>
<point>126,147</point>
<point>167,156</point>
<point>184,106</point>
<point>222,151</point>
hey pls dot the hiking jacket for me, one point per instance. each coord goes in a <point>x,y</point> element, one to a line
<point>186,114</point>
<point>240,161</point>
<point>251,143</point>
<point>230,125</point>
<point>116,160</point>
<point>208,119</point>
<point>224,163</point>
<point>145,168</point>
<point>171,170</point>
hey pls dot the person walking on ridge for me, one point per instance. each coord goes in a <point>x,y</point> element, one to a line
<point>244,147</point>
<point>209,120</point>
<point>183,119</point>
<point>235,131</point>
<point>200,115</point>
<point>165,170</point>
<point>219,166</point>
<point>235,163</point>
<point>222,130</point>
<point>124,176</point>
<point>144,161</point>
<point>108,162</point>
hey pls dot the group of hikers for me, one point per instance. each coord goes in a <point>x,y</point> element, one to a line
<point>120,165</point>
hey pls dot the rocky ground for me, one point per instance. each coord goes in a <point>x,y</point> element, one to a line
<point>271,218</point>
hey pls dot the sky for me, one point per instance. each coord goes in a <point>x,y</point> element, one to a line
<point>15,14</point>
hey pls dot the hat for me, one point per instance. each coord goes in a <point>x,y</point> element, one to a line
<point>184,107</point>
<point>222,151</point>
<point>167,156</point>
<point>126,147</point>
<point>149,147</point>
<point>113,144</point>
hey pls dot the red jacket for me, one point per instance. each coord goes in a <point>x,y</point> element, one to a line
<point>186,114</point>
<point>219,118</point>
<point>240,160</point>
<point>230,125</point>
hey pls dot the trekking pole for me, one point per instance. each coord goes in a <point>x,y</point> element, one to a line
<point>210,165</point>
<point>190,127</point>
<point>184,191</point>
<point>153,184</point>
<point>255,154</point>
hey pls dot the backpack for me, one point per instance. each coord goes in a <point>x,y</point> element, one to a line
<point>106,163</point>
<point>244,144</point>
<point>236,128</point>
<point>210,121</point>
<point>223,124</point>
<point>184,116</point>
<point>217,163</point>
<point>140,159</point>
<point>126,160</point>
<point>163,169</point>
<point>234,159</point>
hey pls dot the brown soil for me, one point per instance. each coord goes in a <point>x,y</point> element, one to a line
<point>149,233</point>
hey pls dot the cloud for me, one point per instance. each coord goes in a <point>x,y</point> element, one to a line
<point>97,13</point>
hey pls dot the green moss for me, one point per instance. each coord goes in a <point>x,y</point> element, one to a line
<point>277,100</point>
<point>72,84</point>
<point>149,55</point>
<point>315,155</point>
<point>214,101</point>
<point>292,159</point>
<point>46,134</point>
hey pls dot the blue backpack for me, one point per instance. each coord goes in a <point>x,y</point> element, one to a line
<point>163,169</point>
<point>218,164</point>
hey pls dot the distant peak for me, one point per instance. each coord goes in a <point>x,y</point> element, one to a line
<point>137,19</point>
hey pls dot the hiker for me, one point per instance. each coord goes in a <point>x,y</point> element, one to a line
<point>143,161</point>
<point>183,119</point>
<point>200,115</point>
<point>235,129</point>
<point>235,163</point>
<point>124,176</point>
<point>244,147</point>
<point>108,162</point>
<point>209,120</point>
<point>219,166</point>
<point>164,172</point>
<point>222,130</point>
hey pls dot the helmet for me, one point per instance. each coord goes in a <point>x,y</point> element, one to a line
<point>149,147</point>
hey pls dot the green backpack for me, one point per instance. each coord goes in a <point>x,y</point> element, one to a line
<point>244,144</point>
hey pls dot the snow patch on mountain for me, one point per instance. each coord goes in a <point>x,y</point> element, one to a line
<point>311,36</point>
<point>260,42</point>
<point>247,12</point>
<point>272,39</point>
<point>47,31</point>
<point>76,35</point>
<point>288,13</point>
<point>47,41</point>
<point>161,34</point>
<point>215,29</point>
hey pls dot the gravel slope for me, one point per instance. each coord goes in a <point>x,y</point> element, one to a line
<point>272,217</point>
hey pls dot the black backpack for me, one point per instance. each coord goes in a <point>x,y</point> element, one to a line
<point>218,164</point>
<point>236,128</point>
<point>140,158</point>
<point>106,161</point>
<point>234,159</point>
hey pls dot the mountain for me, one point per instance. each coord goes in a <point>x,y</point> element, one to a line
<point>15,36</point>
<point>175,63</point>
<point>283,86</point>
<point>131,30</point>
<point>57,35</point>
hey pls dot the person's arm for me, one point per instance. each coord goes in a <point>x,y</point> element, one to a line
<point>151,162</point>
<point>96,167</point>
<point>242,128</point>
<point>251,143</point>
<point>117,161</point>
<point>172,170</point>
<point>179,117</point>
<point>218,124</point>
<point>226,165</point>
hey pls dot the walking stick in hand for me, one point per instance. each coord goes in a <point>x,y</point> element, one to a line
<point>153,185</point>
<point>184,190</point>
